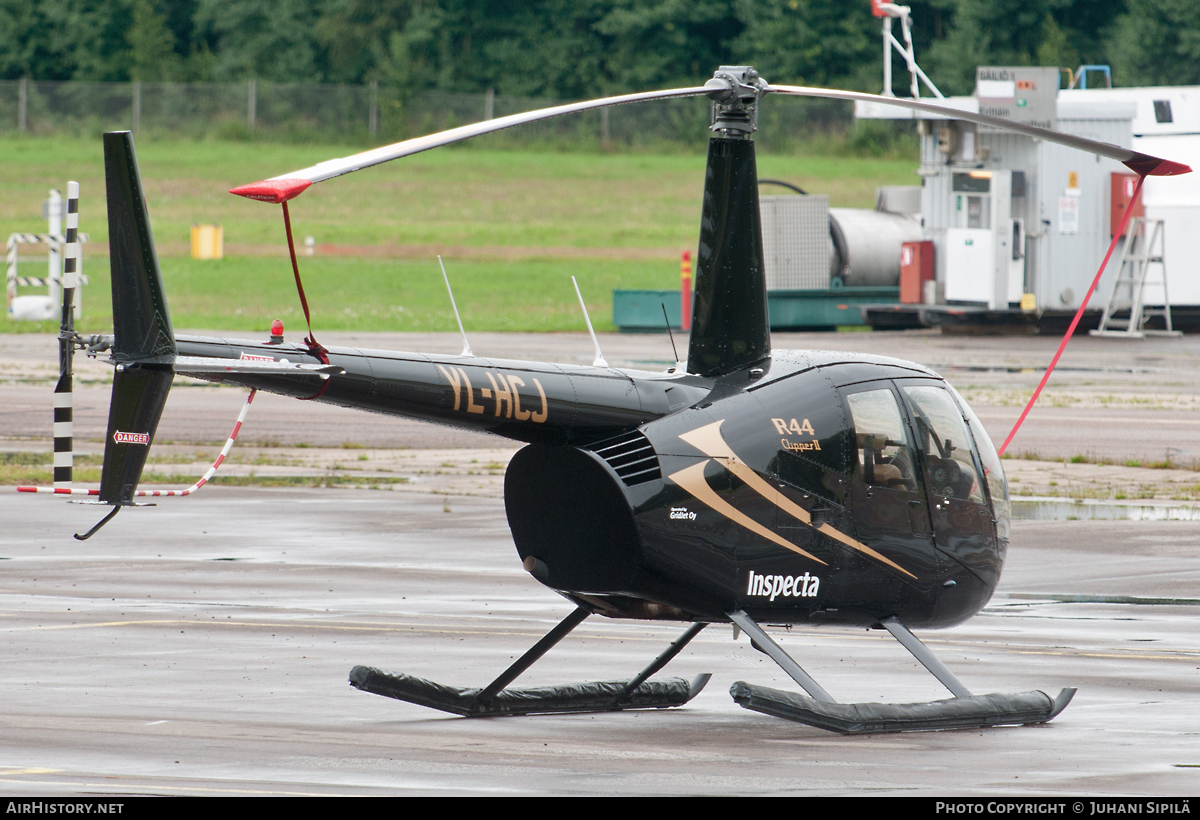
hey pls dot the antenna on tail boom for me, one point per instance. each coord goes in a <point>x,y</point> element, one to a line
<point>599,362</point>
<point>466,351</point>
<point>678,363</point>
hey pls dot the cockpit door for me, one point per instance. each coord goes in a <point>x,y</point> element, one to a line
<point>888,499</point>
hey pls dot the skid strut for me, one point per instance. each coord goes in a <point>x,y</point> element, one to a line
<point>963,711</point>
<point>496,699</point>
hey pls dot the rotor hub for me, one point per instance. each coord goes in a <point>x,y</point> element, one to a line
<point>735,91</point>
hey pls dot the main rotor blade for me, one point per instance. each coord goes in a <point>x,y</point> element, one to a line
<point>287,186</point>
<point>1137,162</point>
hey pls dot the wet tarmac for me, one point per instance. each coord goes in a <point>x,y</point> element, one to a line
<point>1081,509</point>
<point>202,647</point>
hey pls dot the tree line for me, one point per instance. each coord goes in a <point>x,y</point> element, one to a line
<point>571,49</point>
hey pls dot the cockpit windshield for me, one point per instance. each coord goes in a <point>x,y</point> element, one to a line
<point>992,469</point>
<point>943,439</point>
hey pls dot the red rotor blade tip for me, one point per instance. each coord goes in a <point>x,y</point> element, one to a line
<point>1155,167</point>
<point>273,190</point>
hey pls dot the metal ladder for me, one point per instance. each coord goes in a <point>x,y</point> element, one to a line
<point>1137,255</point>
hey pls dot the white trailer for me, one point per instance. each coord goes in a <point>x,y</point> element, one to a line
<point>1166,123</point>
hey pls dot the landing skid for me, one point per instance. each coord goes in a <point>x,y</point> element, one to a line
<point>975,712</point>
<point>963,711</point>
<point>594,696</point>
<point>495,699</point>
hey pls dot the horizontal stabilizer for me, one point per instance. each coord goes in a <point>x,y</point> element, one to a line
<point>206,366</point>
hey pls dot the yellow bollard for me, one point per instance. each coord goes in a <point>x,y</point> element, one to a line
<point>685,291</point>
<point>208,242</point>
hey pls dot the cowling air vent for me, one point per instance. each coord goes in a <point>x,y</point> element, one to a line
<point>631,455</point>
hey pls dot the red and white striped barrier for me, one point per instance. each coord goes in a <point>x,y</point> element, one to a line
<point>213,469</point>
<point>164,493</point>
<point>58,490</point>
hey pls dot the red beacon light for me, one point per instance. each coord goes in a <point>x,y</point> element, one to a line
<point>276,332</point>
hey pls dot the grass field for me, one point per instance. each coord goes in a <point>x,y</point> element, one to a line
<point>489,202</point>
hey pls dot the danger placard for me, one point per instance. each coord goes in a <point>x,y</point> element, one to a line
<point>1068,214</point>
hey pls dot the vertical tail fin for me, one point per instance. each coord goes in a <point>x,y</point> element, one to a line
<point>144,346</point>
<point>141,321</point>
<point>138,397</point>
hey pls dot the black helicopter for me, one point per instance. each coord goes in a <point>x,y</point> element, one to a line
<point>749,485</point>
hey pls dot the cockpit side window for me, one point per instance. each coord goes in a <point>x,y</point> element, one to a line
<point>943,439</point>
<point>884,449</point>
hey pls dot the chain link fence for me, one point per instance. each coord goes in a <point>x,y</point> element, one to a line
<point>372,114</point>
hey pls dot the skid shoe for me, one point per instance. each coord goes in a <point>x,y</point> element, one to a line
<point>495,699</point>
<point>963,711</point>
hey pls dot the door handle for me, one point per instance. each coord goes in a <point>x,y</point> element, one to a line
<point>917,518</point>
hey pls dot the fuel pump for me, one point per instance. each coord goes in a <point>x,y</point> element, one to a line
<point>984,243</point>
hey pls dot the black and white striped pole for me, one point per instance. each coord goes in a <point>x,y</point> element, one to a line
<point>63,394</point>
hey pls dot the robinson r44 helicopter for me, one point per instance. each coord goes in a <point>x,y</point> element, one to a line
<point>750,486</point>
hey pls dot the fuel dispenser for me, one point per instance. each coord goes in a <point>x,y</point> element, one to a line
<point>985,243</point>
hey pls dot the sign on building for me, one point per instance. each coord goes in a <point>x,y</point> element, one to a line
<point>1021,94</point>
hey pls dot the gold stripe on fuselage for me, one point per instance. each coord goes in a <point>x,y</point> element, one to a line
<point>708,440</point>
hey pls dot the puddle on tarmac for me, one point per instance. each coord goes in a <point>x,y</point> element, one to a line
<point>1065,509</point>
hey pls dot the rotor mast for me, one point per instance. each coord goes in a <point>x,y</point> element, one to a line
<point>729,325</point>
